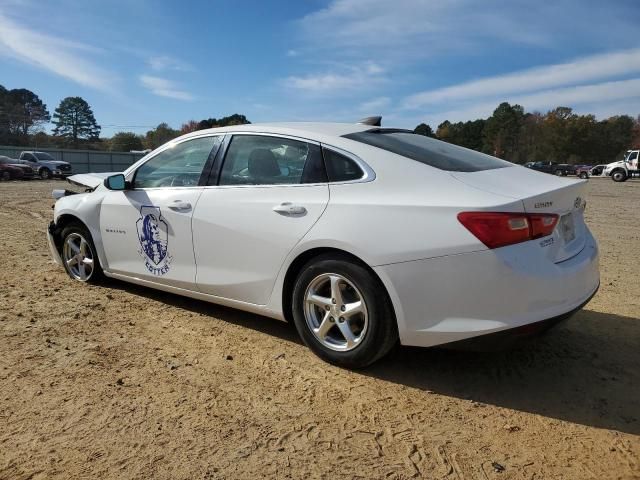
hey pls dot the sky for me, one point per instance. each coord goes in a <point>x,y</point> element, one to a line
<point>142,62</point>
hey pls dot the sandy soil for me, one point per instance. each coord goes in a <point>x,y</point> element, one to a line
<point>118,381</point>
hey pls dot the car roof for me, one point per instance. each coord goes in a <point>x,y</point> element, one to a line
<point>311,130</point>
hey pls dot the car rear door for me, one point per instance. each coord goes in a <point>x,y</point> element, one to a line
<point>269,193</point>
<point>146,230</point>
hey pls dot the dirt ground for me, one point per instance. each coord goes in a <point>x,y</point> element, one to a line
<point>119,381</point>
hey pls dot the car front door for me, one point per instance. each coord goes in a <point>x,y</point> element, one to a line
<point>146,229</point>
<point>269,193</point>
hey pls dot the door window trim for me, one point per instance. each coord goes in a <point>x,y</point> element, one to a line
<point>368,174</point>
<point>204,175</point>
<point>214,177</point>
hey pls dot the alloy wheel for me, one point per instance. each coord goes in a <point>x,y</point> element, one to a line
<point>336,312</point>
<point>78,256</point>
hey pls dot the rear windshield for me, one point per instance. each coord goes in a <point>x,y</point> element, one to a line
<point>429,151</point>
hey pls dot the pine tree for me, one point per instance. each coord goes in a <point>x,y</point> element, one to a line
<point>74,121</point>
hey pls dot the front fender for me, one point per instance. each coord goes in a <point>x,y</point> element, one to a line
<point>86,208</point>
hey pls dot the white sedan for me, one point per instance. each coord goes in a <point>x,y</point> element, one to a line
<point>362,236</point>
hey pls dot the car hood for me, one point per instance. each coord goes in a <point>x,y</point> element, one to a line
<point>89,180</point>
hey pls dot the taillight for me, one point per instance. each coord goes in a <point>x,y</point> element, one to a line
<point>498,229</point>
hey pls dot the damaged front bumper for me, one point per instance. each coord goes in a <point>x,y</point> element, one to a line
<point>51,232</point>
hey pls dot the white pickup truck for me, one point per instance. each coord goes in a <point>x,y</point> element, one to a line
<point>624,169</point>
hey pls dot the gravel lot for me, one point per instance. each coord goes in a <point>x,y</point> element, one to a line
<point>119,381</point>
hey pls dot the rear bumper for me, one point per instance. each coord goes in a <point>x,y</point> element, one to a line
<point>52,245</point>
<point>453,298</point>
<point>512,336</point>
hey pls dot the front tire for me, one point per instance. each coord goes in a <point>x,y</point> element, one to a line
<point>559,173</point>
<point>79,254</point>
<point>343,313</point>
<point>584,175</point>
<point>6,176</point>
<point>45,173</point>
<point>618,176</point>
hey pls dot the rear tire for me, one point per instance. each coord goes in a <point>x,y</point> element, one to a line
<point>559,173</point>
<point>79,254</point>
<point>6,176</point>
<point>342,312</point>
<point>618,176</point>
<point>45,173</point>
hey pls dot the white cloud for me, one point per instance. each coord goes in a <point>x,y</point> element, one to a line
<point>292,53</point>
<point>164,62</point>
<point>164,88</point>
<point>59,56</point>
<point>351,78</point>
<point>410,29</point>
<point>575,72</point>
<point>597,97</point>
<point>375,105</point>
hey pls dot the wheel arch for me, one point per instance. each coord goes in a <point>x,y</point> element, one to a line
<point>61,222</point>
<point>67,218</point>
<point>295,267</point>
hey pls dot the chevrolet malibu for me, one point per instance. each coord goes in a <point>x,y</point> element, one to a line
<point>362,236</point>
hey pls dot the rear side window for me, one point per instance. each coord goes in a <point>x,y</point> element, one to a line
<point>429,151</point>
<point>341,168</point>
<point>270,160</point>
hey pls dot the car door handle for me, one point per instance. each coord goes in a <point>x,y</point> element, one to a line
<point>180,205</point>
<point>287,208</point>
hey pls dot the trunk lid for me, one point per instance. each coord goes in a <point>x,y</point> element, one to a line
<point>540,193</point>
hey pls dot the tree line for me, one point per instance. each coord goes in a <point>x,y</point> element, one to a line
<point>560,135</point>
<point>23,116</point>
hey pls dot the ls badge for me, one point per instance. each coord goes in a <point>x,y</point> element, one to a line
<point>153,234</point>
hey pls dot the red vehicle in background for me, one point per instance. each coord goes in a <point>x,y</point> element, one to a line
<point>11,169</point>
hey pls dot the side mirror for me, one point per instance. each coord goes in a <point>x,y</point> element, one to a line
<point>115,182</point>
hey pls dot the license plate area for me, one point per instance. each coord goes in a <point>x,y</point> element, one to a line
<point>567,227</point>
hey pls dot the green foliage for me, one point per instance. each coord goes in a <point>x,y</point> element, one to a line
<point>235,119</point>
<point>500,133</point>
<point>424,129</point>
<point>22,113</point>
<point>159,136</point>
<point>560,135</point>
<point>125,142</point>
<point>74,121</point>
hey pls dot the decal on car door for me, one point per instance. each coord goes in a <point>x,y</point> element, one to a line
<point>153,234</point>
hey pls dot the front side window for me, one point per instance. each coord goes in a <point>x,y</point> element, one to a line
<point>266,160</point>
<point>178,166</point>
<point>632,156</point>
<point>429,151</point>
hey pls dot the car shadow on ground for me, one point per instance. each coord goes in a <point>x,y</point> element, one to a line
<point>585,371</point>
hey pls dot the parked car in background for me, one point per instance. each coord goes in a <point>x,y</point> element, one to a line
<point>8,172</point>
<point>45,165</point>
<point>559,169</point>
<point>362,236</point>
<point>10,168</point>
<point>597,171</point>
<point>582,171</point>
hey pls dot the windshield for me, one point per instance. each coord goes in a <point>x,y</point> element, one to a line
<point>429,151</point>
